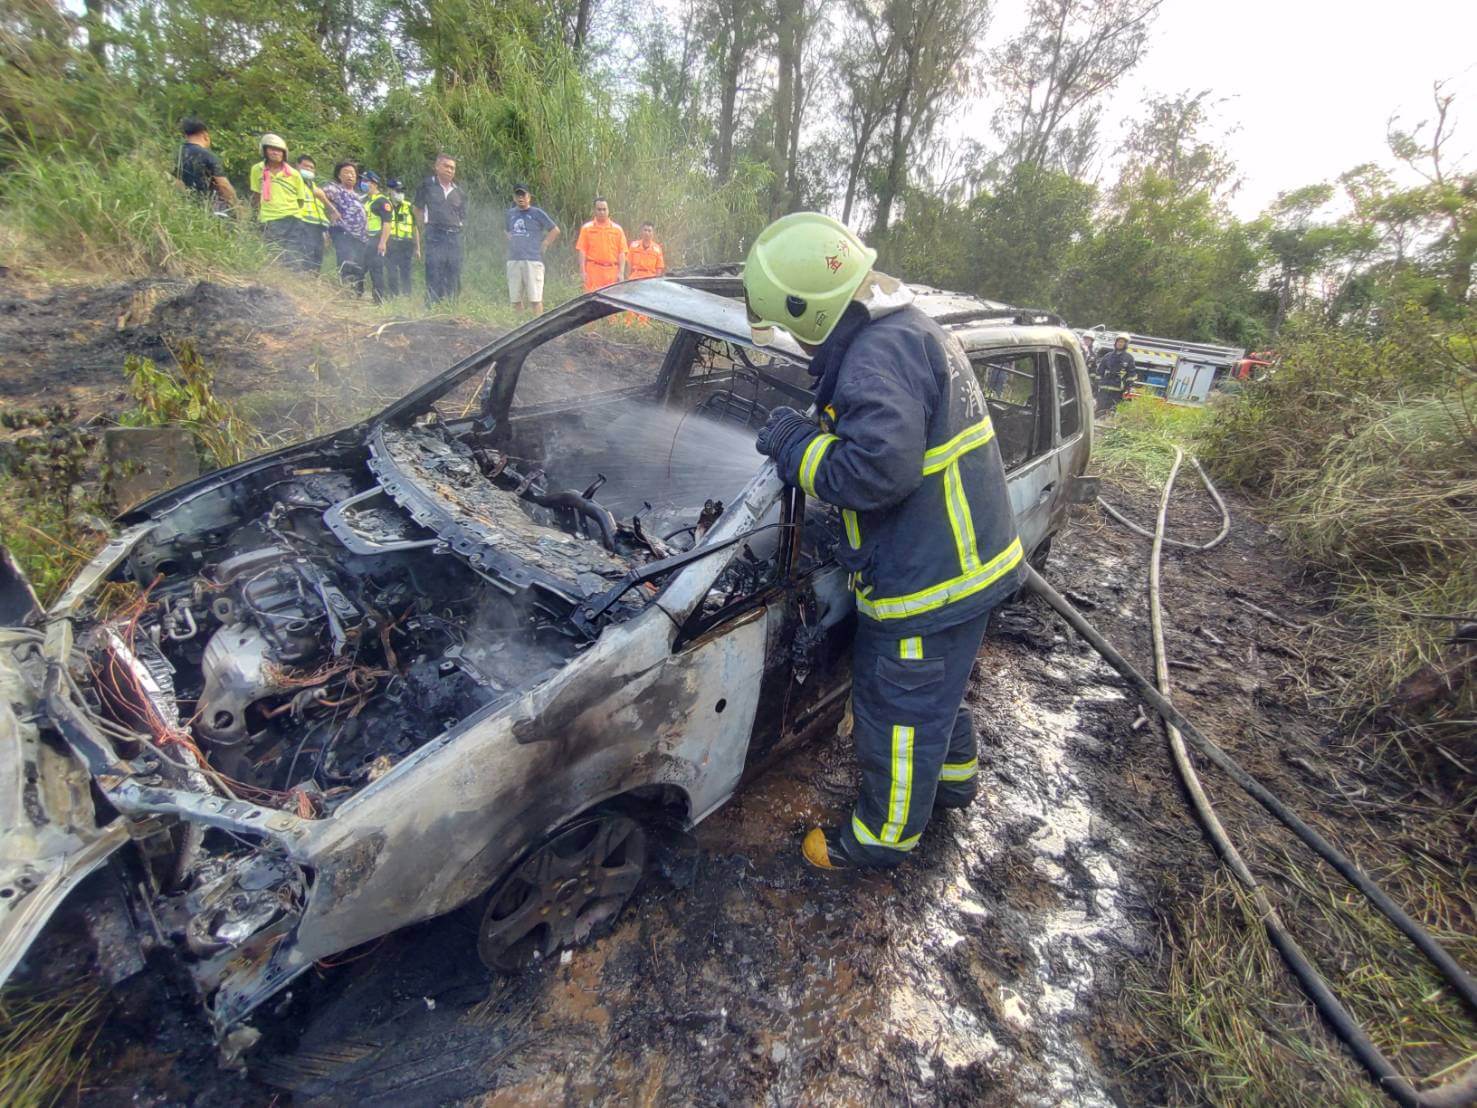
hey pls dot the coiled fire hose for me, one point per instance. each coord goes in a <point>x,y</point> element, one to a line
<point>1460,1091</point>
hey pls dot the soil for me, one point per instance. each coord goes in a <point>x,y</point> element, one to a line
<point>66,345</point>
<point>990,969</point>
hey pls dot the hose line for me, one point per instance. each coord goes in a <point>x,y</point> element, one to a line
<point>1461,1091</point>
<point>1314,983</point>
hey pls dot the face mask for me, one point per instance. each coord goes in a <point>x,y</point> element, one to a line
<point>397,196</point>
<point>307,174</point>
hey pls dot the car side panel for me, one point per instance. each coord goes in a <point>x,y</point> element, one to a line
<point>627,714</point>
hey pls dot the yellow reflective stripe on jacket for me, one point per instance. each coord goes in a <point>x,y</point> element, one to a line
<point>946,592</point>
<point>971,438</point>
<point>910,648</point>
<point>853,529</point>
<point>810,461</point>
<point>959,771</point>
<point>960,521</point>
<point>313,211</point>
<point>859,829</point>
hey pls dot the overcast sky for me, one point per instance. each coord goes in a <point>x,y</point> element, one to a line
<point>1308,86</point>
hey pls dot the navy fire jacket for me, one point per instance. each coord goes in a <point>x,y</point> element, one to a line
<point>906,450</point>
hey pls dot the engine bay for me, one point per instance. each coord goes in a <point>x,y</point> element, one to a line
<point>295,635</point>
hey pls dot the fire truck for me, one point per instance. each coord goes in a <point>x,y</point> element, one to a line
<point>1181,372</point>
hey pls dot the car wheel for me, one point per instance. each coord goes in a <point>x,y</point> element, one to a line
<point>569,887</point>
<point>1040,554</point>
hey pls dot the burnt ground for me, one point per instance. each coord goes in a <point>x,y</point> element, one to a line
<point>66,345</point>
<point>989,970</point>
<point>997,967</point>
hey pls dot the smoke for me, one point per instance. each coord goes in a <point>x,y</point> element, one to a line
<point>659,455</point>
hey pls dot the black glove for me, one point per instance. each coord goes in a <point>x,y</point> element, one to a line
<point>786,427</point>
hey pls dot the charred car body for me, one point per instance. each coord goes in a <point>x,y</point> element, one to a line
<point>464,649</point>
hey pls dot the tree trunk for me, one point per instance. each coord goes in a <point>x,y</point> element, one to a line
<point>783,110</point>
<point>97,28</point>
<point>897,154</point>
<point>797,115</point>
<point>581,24</point>
<point>728,96</point>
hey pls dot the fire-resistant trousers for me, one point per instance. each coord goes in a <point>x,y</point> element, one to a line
<point>914,738</point>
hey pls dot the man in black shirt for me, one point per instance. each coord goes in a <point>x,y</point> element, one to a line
<point>442,209</point>
<point>199,170</point>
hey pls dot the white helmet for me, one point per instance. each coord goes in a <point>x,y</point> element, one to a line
<point>270,139</point>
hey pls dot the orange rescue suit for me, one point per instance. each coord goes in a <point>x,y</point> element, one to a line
<point>645,261</point>
<point>602,246</point>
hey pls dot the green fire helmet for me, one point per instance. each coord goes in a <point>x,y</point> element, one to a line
<point>801,272</point>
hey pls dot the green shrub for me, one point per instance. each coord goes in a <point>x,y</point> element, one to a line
<point>1365,448</point>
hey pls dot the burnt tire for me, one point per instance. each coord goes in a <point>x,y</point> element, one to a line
<point>1039,556</point>
<point>568,889</point>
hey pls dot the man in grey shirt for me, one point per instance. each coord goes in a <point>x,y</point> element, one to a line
<point>530,231</point>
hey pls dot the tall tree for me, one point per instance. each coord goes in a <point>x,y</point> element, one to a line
<point>1454,191</point>
<point>1069,54</point>
<point>936,42</point>
<point>1170,139</point>
<point>738,30</point>
<point>864,74</point>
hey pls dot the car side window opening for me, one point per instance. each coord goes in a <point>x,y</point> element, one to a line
<point>1012,382</point>
<point>1067,398</point>
<point>739,385</point>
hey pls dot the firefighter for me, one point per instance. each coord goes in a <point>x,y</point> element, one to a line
<point>903,446</point>
<point>405,240</point>
<point>1115,369</point>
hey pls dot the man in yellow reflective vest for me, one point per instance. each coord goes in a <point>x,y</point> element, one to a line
<point>904,448</point>
<point>314,216</point>
<point>405,240</point>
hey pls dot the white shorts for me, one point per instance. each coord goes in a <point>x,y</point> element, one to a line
<point>526,282</point>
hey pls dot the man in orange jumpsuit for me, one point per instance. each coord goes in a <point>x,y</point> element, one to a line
<point>602,249</point>
<point>646,257</point>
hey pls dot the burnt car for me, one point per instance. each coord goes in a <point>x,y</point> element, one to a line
<point>473,647</point>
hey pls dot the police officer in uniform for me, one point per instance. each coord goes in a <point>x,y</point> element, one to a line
<point>379,211</point>
<point>405,241</point>
<point>904,447</point>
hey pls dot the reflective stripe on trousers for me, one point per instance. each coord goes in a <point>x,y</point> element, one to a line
<point>914,738</point>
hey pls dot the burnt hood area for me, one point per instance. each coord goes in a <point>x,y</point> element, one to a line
<point>303,628</point>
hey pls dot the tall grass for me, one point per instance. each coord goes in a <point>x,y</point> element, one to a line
<point>1140,440</point>
<point>1365,451</point>
<point>43,1042</point>
<point>550,125</point>
<point>119,216</point>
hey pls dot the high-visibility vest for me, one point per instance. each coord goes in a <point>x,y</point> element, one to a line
<point>313,210</point>
<point>373,224</point>
<point>404,225</point>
